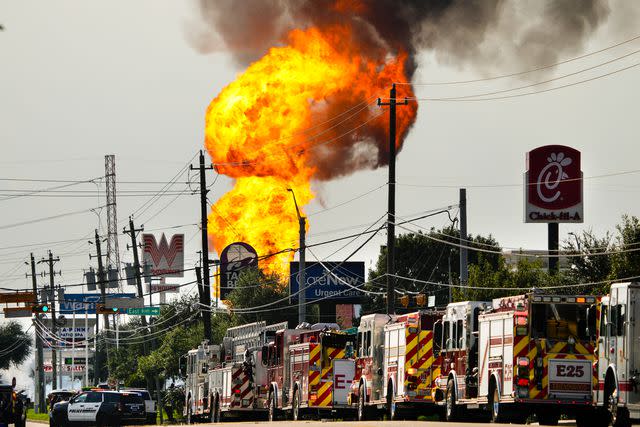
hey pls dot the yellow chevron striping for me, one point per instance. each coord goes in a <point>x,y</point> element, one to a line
<point>521,345</point>
<point>581,349</point>
<point>557,348</point>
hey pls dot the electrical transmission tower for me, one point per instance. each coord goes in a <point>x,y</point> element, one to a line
<point>113,253</point>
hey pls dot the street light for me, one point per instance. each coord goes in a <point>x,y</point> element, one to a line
<point>302,310</point>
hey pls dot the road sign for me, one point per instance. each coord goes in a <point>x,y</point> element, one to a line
<point>15,297</point>
<point>11,312</point>
<point>81,303</point>
<point>144,311</point>
<point>123,302</point>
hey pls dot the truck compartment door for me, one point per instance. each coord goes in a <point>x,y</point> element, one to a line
<point>344,371</point>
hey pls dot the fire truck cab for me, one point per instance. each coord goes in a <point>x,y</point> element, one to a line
<point>457,355</point>
<point>368,390</point>
<point>198,363</point>
<point>618,392</point>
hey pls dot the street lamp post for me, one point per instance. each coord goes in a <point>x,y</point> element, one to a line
<point>302,310</point>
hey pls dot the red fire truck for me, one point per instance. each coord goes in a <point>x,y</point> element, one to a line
<point>618,392</point>
<point>395,367</point>
<point>524,355</point>
<point>307,370</point>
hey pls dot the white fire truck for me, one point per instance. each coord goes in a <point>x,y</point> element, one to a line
<point>524,355</point>
<point>222,378</point>
<point>618,390</point>
<point>395,367</point>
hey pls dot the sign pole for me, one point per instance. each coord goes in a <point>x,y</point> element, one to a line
<point>73,348</point>
<point>86,347</point>
<point>554,231</point>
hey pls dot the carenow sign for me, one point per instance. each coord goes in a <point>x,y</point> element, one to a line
<point>553,185</point>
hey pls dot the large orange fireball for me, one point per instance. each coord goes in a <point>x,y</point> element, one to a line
<point>304,111</point>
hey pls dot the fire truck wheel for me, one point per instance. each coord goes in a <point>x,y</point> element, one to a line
<point>391,404</point>
<point>496,408</point>
<point>271,416</point>
<point>362,416</point>
<point>619,416</point>
<point>295,406</point>
<point>451,411</point>
<point>217,413</point>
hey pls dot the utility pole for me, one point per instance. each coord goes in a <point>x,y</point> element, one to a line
<point>39,392</point>
<point>391,213</point>
<point>464,268</point>
<point>103,297</point>
<point>51,261</point>
<point>302,282</point>
<point>136,268</point>
<point>206,295</point>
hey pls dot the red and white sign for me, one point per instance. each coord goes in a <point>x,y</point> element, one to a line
<point>344,371</point>
<point>553,185</point>
<point>569,376</point>
<point>165,259</point>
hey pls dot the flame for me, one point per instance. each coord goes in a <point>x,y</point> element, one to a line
<point>282,123</point>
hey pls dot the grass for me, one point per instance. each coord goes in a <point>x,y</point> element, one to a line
<point>31,415</point>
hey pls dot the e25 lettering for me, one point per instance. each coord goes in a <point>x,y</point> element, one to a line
<point>570,371</point>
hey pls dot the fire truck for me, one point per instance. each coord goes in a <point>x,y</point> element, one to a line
<point>395,367</point>
<point>518,356</point>
<point>198,363</point>
<point>308,369</point>
<point>222,378</point>
<point>618,365</point>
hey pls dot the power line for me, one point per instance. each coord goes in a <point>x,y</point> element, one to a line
<point>47,218</point>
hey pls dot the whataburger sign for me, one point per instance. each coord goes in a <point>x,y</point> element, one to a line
<point>553,185</point>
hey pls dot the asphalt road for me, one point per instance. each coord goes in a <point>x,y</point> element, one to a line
<point>332,423</point>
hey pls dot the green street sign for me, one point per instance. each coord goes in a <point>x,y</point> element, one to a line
<point>144,311</point>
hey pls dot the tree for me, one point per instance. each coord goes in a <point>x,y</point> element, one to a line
<point>433,257</point>
<point>587,268</point>
<point>625,262</point>
<point>15,343</point>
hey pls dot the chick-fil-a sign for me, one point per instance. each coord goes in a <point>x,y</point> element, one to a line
<point>553,185</point>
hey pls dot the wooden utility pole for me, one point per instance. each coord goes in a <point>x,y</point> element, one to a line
<point>136,268</point>
<point>206,277</point>
<point>40,382</point>
<point>54,360</point>
<point>391,213</point>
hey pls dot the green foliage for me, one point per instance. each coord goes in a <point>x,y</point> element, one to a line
<point>627,264</point>
<point>256,289</point>
<point>15,343</point>
<point>428,257</point>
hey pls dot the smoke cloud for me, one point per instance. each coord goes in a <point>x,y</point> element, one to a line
<point>462,32</point>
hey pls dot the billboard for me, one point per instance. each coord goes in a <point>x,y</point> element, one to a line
<point>233,259</point>
<point>339,283</point>
<point>165,259</point>
<point>553,185</point>
<point>79,303</point>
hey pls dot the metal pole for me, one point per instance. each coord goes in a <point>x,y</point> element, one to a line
<point>302,282</point>
<point>464,268</point>
<point>136,268</point>
<point>86,347</point>
<point>553,237</point>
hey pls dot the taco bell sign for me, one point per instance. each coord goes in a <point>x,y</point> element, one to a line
<point>553,185</point>
<point>233,260</point>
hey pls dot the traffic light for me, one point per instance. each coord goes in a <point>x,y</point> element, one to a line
<point>404,301</point>
<point>102,309</point>
<point>421,299</point>
<point>40,308</point>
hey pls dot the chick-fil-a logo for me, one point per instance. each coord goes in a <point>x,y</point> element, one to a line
<point>553,185</point>
<point>551,176</point>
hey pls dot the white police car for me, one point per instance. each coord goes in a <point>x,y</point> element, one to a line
<point>99,408</point>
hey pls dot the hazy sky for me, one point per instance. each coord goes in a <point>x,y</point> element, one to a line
<point>85,79</point>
